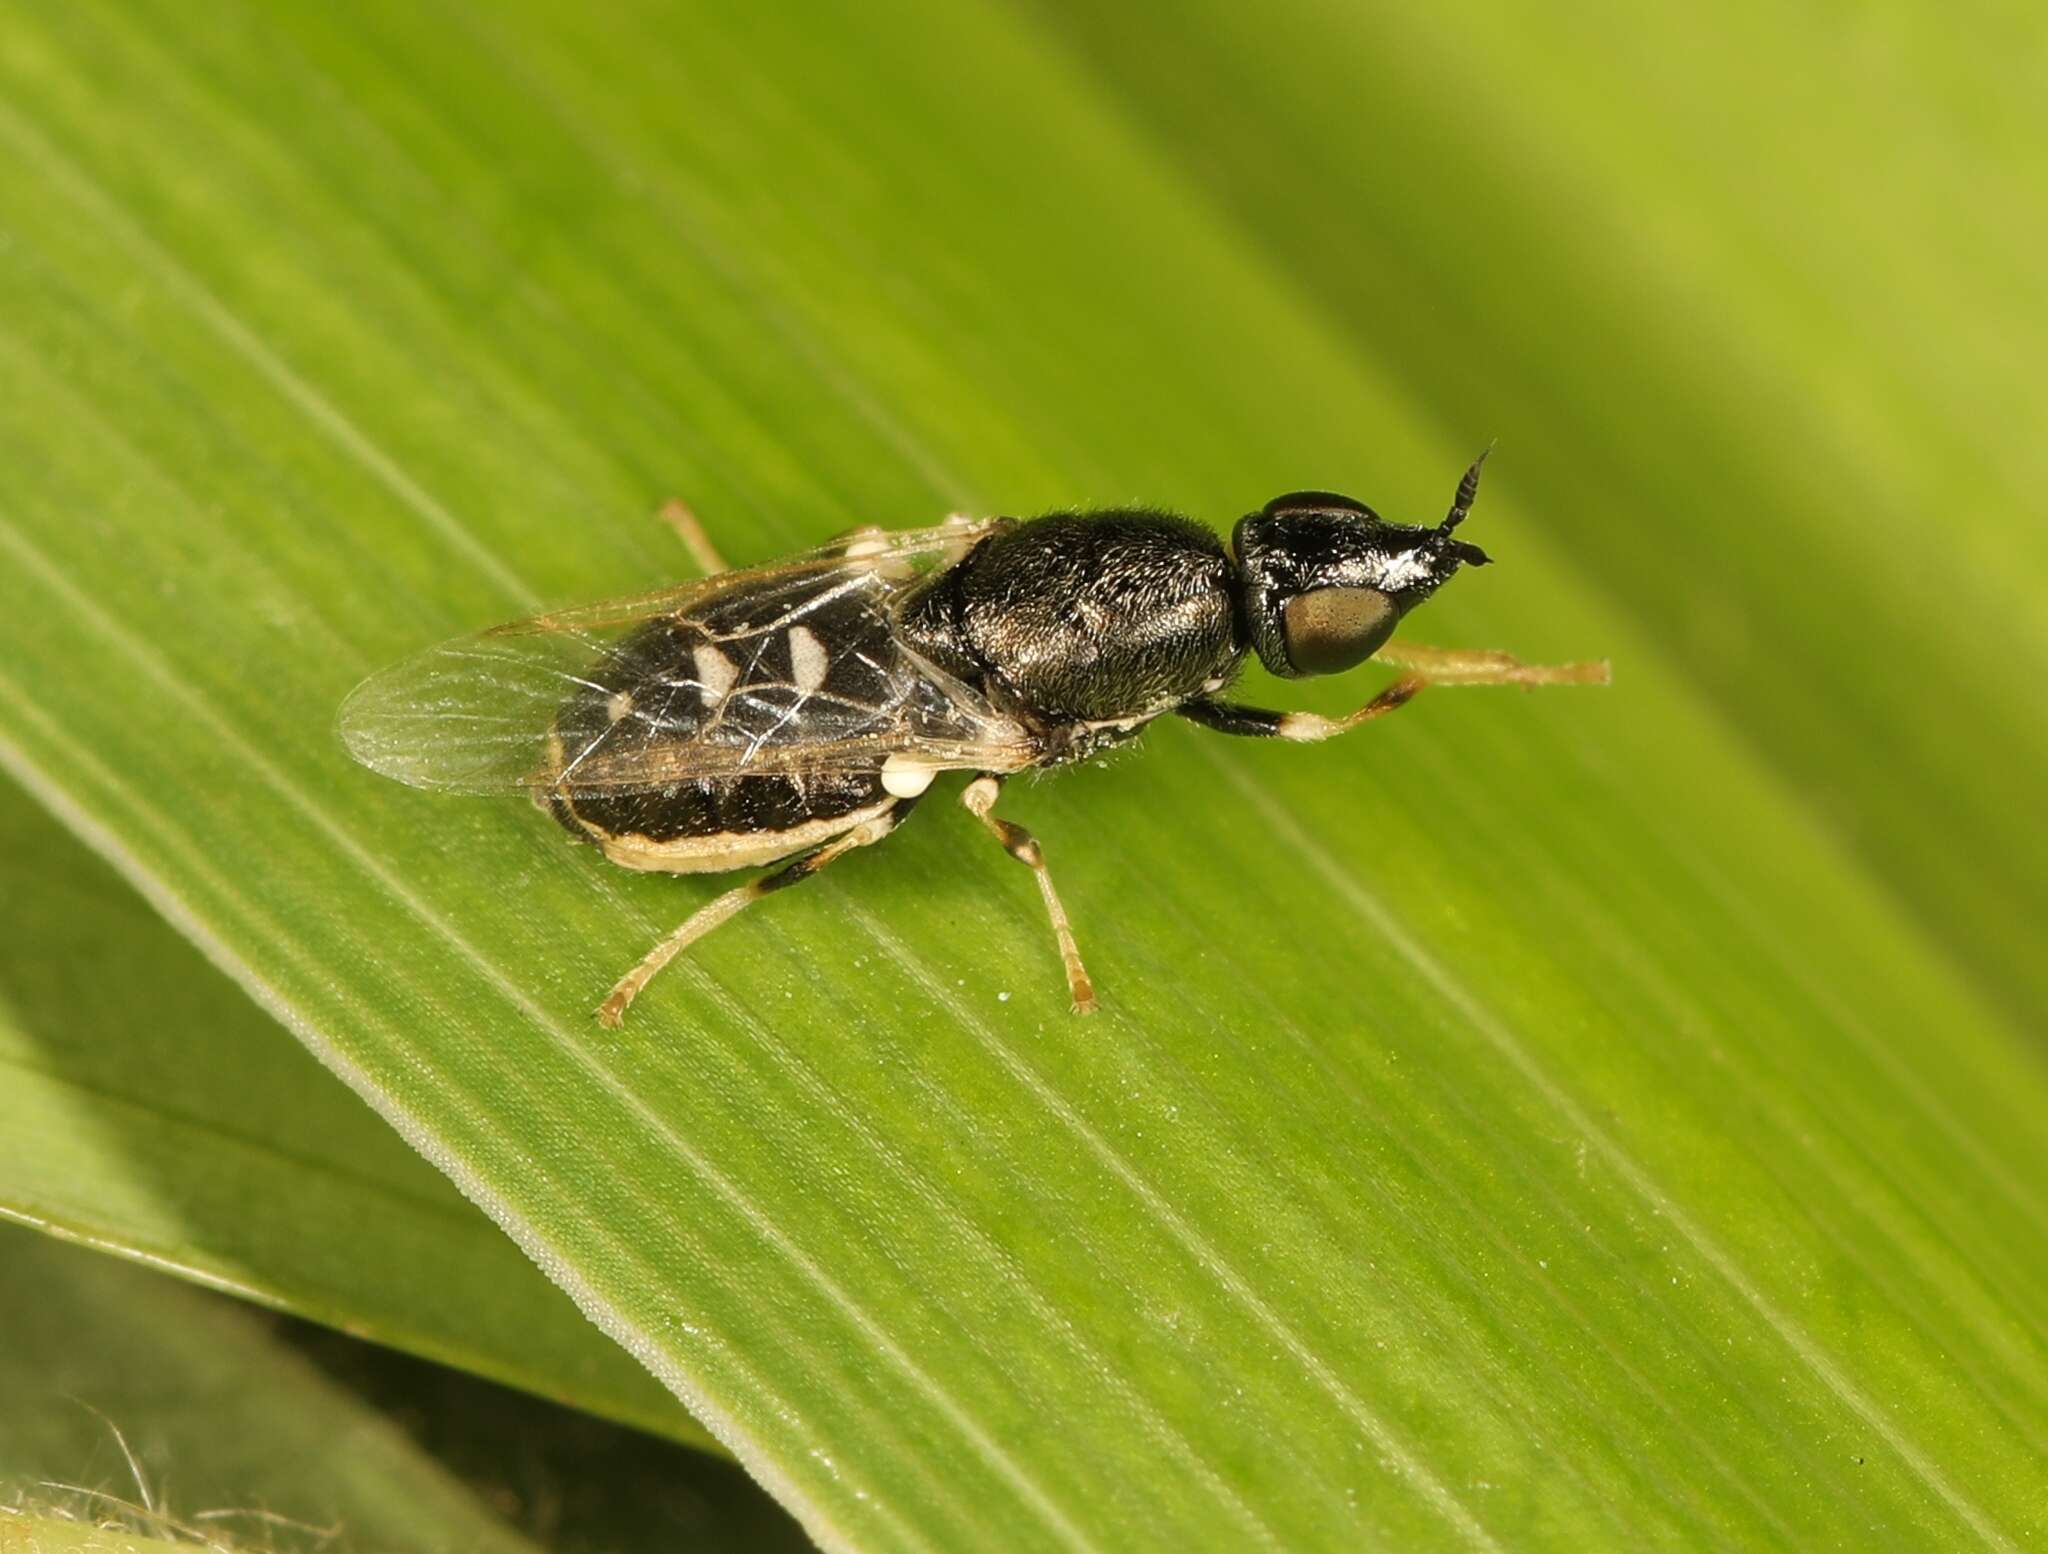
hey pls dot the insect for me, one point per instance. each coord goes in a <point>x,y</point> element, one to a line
<point>787,714</point>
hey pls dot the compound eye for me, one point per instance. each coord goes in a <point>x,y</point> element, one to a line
<point>1317,502</point>
<point>1328,630</point>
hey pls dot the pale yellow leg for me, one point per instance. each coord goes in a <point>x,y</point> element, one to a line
<point>1423,667</point>
<point>720,908</point>
<point>1477,666</point>
<point>980,799</point>
<point>677,515</point>
<point>1309,727</point>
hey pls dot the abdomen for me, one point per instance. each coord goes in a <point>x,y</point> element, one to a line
<point>714,824</point>
<point>811,661</point>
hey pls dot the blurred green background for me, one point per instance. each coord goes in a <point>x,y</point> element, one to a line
<point>1572,1121</point>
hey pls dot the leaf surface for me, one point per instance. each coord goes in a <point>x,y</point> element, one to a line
<point>1521,1125</point>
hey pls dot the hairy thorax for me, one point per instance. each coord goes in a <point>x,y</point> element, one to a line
<point>1087,619</point>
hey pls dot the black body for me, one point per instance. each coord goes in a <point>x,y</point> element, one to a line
<point>1075,621</point>
<point>1081,628</point>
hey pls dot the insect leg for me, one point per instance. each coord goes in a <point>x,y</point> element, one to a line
<point>677,515</point>
<point>1230,717</point>
<point>1424,666</point>
<point>720,908</point>
<point>980,798</point>
<point>1476,666</point>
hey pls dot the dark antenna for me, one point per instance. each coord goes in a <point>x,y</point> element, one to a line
<point>1468,492</point>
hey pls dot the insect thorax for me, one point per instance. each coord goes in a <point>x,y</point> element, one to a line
<point>1091,618</point>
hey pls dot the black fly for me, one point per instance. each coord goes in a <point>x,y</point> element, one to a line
<point>799,710</point>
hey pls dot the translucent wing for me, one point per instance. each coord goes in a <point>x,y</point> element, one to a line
<point>790,667</point>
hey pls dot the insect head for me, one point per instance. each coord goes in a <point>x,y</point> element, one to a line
<point>1326,579</point>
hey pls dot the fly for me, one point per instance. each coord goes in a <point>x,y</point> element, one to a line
<point>787,714</point>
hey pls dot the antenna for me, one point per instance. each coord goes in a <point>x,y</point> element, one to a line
<point>1468,492</point>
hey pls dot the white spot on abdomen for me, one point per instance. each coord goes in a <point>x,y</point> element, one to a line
<point>715,672</point>
<point>618,705</point>
<point>807,660</point>
<point>904,778</point>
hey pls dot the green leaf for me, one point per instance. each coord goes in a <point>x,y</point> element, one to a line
<point>1523,1125</point>
<point>21,1534</point>
<point>133,1400</point>
<point>140,1404</point>
<point>117,1138</point>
